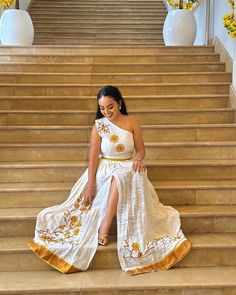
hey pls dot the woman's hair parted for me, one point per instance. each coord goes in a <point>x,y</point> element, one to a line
<point>114,93</point>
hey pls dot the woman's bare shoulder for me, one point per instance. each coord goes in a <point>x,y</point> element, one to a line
<point>132,120</point>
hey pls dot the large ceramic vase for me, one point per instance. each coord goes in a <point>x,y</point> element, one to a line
<point>180,28</point>
<point>16,28</point>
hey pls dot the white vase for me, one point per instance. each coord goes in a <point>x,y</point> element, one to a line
<point>16,28</point>
<point>180,28</point>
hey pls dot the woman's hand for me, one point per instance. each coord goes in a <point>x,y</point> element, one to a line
<point>138,166</point>
<point>88,197</point>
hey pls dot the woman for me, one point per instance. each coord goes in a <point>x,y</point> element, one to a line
<point>149,237</point>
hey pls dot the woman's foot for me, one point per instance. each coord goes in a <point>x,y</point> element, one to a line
<point>102,239</point>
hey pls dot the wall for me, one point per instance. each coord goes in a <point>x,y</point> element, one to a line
<point>219,9</point>
<point>24,4</point>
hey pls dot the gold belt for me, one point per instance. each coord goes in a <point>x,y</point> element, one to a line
<point>115,159</point>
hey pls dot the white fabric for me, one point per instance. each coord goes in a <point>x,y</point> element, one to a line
<point>147,231</point>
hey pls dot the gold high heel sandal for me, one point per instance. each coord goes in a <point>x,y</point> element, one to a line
<point>103,239</point>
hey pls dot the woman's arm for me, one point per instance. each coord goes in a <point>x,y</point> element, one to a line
<point>138,144</point>
<point>95,146</point>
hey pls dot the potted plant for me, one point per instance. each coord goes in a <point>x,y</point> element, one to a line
<point>16,27</point>
<point>180,26</point>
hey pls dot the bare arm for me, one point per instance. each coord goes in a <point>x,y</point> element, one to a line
<point>138,139</point>
<point>95,146</point>
<point>138,165</point>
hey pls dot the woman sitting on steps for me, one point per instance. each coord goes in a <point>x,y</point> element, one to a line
<point>149,236</point>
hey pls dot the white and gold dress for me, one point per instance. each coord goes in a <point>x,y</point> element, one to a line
<point>149,236</point>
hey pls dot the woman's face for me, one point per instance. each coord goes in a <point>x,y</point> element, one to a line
<point>109,107</point>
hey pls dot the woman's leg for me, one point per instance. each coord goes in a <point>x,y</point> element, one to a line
<point>111,208</point>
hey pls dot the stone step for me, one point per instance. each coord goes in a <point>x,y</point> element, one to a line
<point>88,67</point>
<point>112,78</point>
<point>91,6</point>
<point>152,133</point>
<point>101,30</point>
<point>111,50</point>
<point>97,13</point>
<point>130,89</point>
<point>207,250</point>
<point>78,117</point>
<point>92,35</point>
<point>194,219</point>
<point>159,133</point>
<point>173,193</point>
<point>102,20</point>
<point>191,281</point>
<point>133,103</point>
<point>85,41</point>
<point>64,171</point>
<point>79,151</point>
<point>98,4</point>
<point>107,60</point>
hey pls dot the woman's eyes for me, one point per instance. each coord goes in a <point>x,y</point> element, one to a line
<point>110,108</point>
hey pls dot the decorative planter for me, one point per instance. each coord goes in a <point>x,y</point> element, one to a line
<point>180,28</point>
<point>16,28</point>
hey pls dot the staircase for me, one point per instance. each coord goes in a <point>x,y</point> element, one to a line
<point>47,102</point>
<point>98,22</point>
<point>47,108</point>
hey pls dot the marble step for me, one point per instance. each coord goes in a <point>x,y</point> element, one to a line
<point>37,152</point>
<point>117,35</point>
<point>132,102</point>
<point>102,20</point>
<point>107,60</point>
<point>78,41</point>
<point>187,281</point>
<point>95,5</point>
<point>211,192</point>
<point>99,5</point>
<point>168,170</point>
<point>107,50</point>
<point>94,41</point>
<point>152,133</point>
<point>100,30</point>
<point>126,89</point>
<point>77,117</point>
<point>88,67</point>
<point>112,78</point>
<point>194,219</point>
<point>207,250</point>
<point>98,13</point>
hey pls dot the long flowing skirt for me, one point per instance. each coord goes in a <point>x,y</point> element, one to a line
<point>149,236</point>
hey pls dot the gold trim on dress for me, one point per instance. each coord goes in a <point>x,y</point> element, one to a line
<point>52,259</point>
<point>167,262</point>
<point>115,159</point>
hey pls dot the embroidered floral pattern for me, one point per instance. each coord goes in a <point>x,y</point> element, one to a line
<point>103,128</point>
<point>69,227</point>
<point>114,138</point>
<point>120,148</point>
<point>134,250</point>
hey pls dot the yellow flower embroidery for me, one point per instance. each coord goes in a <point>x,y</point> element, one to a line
<point>70,226</point>
<point>76,231</point>
<point>120,148</point>
<point>74,219</point>
<point>135,247</point>
<point>114,138</point>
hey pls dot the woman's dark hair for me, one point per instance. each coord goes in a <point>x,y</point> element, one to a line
<point>113,92</point>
